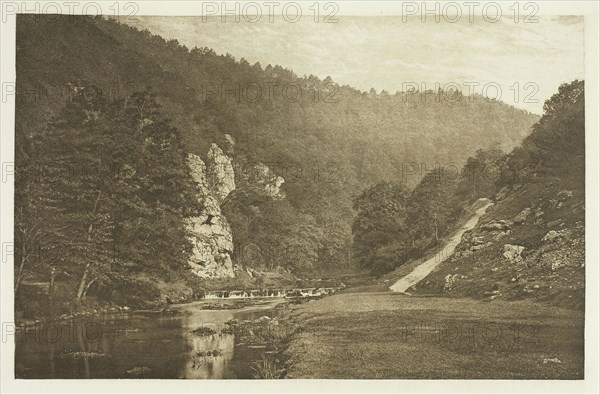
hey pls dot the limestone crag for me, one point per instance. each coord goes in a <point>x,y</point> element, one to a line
<point>210,232</point>
<point>220,176</point>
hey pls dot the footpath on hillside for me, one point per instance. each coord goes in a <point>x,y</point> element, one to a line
<point>446,251</point>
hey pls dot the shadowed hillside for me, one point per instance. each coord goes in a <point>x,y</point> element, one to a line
<point>531,243</point>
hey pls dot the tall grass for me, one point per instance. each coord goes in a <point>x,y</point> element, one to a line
<point>267,368</point>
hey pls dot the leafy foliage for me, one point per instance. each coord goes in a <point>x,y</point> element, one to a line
<point>556,147</point>
<point>119,195</point>
<point>380,220</point>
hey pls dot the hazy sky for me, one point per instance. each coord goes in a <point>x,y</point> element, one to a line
<point>385,52</point>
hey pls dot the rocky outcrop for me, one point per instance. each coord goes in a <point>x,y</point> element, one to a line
<point>219,173</point>
<point>553,235</point>
<point>513,253</point>
<point>261,176</point>
<point>210,232</point>
<point>523,216</point>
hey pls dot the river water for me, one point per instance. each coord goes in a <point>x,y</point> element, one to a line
<point>141,345</point>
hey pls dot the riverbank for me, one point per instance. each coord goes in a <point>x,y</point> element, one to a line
<point>187,341</point>
<point>158,309</point>
<point>215,299</point>
<point>394,336</point>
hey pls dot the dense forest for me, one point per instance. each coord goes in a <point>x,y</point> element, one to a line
<point>107,113</point>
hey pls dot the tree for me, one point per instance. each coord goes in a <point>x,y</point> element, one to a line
<point>557,144</point>
<point>559,136</point>
<point>432,207</point>
<point>481,174</point>
<point>380,220</point>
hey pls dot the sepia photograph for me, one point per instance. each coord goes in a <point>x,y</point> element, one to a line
<point>267,191</point>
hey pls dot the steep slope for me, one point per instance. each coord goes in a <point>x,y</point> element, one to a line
<point>531,243</point>
<point>423,270</point>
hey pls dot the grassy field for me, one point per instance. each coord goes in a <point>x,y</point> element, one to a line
<point>393,336</point>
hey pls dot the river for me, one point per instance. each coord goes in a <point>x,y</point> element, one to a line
<point>141,345</point>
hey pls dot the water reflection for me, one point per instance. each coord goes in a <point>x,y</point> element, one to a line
<point>139,346</point>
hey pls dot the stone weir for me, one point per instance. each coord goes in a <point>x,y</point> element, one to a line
<point>270,293</point>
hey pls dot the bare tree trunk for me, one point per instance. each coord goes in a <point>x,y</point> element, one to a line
<point>87,287</point>
<point>82,282</point>
<point>21,273</point>
<point>19,279</point>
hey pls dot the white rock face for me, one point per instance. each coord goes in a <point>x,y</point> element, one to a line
<point>220,174</point>
<point>210,232</point>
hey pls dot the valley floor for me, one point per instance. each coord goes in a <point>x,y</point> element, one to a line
<point>393,336</point>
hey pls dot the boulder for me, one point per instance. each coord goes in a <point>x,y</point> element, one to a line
<point>477,240</point>
<point>551,360</point>
<point>491,293</point>
<point>501,194</point>
<point>551,236</point>
<point>513,252</point>
<point>497,225</point>
<point>138,371</point>
<point>450,281</point>
<point>565,194</point>
<point>554,223</point>
<point>499,235</point>
<point>538,220</point>
<point>522,216</point>
<point>478,247</point>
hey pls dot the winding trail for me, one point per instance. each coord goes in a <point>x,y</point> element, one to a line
<point>423,270</point>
